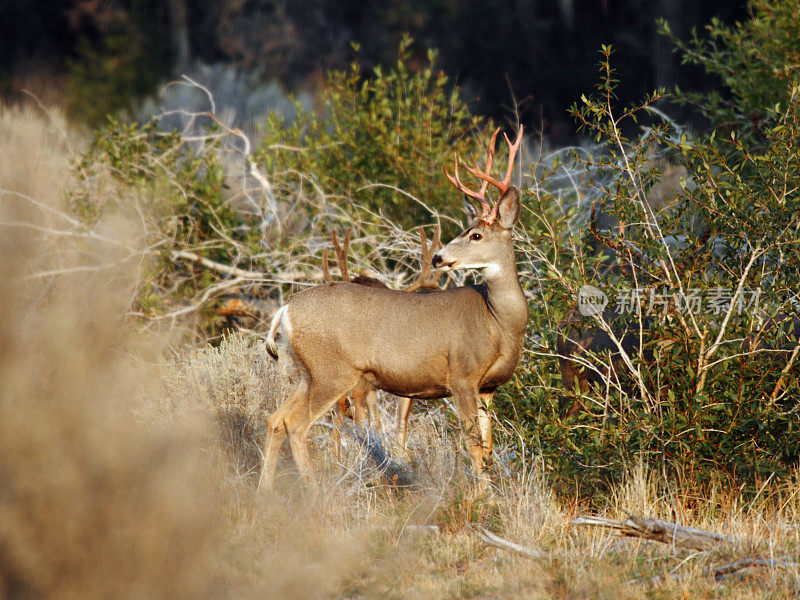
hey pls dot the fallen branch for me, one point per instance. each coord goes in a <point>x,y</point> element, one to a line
<point>660,531</point>
<point>493,540</point>
<point>723,571</point>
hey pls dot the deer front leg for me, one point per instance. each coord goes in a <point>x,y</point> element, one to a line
<point>466,402</point>
<point>485,423</point>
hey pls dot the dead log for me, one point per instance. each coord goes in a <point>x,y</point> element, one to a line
<point>722,571</point>
<point>660,531</point>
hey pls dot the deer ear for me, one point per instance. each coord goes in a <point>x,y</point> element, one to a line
<point>508,208</point>
<point>469,208</point>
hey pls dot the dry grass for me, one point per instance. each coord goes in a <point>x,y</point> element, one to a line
<point>124,475</point>
<point>92,505</point>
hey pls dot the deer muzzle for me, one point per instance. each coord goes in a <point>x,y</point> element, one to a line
<point>438,262</point>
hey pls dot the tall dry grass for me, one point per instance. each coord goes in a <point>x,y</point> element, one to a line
<point>92,503</point>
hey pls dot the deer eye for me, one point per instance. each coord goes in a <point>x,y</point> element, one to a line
<point>475,237</point>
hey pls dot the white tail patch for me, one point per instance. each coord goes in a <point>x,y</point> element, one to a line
<point>278,318</point>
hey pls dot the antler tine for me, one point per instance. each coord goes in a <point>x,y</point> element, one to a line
<point>489,157</point>
<point>341,252</point>
<point>512,154</point>
<point>436,243</point>
<point>425,279</point>
<point>456,181</point>
<point>326,274</point>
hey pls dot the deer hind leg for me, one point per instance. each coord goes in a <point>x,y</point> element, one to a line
<point>466,403</point>
<point>403,414</point>
<point>364,403</point>
<point>485,423</point>
<point>276,432</point>
<point>322,395</point>
<point>359,400</point>
<point>371,398</point>
<point>364,398</point>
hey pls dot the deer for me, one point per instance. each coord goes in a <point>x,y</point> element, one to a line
<point>462,342</point>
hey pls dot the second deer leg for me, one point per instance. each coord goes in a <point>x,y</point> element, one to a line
<point>403,414</point>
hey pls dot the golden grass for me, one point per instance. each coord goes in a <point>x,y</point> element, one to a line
<point>125,475</point>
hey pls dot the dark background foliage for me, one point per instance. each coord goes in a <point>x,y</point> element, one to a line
<point>540,52</point>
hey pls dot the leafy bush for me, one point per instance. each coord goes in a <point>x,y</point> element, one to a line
<point>711,393</point>
<point>757,61</point>
<point>220,215</point>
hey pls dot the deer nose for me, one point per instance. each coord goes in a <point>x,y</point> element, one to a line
<point>436,261</point>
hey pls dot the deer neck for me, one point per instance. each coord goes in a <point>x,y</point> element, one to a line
<point>507,301</point>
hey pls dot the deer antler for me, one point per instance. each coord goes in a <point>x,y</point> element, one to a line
<point>341,252</point>
<point>341,256</point>
<point>479,195</point>
<point>425,280</point>
<point>488,214</point>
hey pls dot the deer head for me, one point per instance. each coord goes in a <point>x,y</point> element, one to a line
<point>485,243</point>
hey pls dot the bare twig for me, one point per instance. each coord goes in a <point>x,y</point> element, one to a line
<point>242,273</point>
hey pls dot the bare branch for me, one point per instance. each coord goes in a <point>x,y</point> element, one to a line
<point>660,531</point>
<point>284,276</point>
<point>493,540</point>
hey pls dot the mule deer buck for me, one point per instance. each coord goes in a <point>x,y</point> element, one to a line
<point>462,342</point>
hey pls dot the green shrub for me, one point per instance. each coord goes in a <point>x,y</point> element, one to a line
<point>712,395</point>
<point>379,148</point>
<point>757,61</point>
<point>381,139</point>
